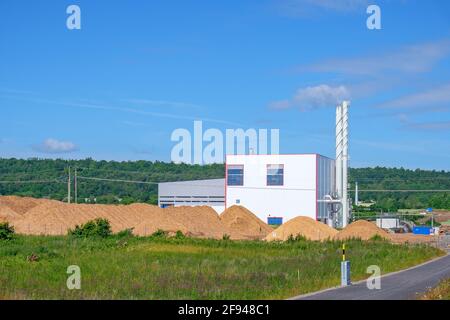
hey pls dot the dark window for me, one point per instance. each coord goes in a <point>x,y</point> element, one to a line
<point>275,174</point>
<point>235,175</point>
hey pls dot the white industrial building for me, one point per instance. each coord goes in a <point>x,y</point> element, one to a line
<point>284,186</point>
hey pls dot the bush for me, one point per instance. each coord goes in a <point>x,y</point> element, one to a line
<point>377,237</point>
<point>180,235</point>
<point>127,233</point>
<point>6,231</point>
<point>94,228</point>
<point>226,237</point>
<point>159,234</point>
<point>297,238</point>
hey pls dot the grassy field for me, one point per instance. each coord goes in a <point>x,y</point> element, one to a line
<point>160,268</point>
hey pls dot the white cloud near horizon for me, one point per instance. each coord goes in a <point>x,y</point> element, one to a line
<point>51,145</point>
<point>313,97</point>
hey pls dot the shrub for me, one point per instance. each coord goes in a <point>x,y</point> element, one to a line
<point>127,233</point>
<point>296,238</point>
<point>377,237</point>
<point>180,235</point>
<point>159,234</point>
<point>94,228</point>
<point>6,231</point>
<point>226,237</point>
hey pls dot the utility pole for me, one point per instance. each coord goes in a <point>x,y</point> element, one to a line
<point>68,188</point>
<point>356,193</point>
<point>76,186</point>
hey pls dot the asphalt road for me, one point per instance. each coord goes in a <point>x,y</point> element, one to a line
<point>402,285</point>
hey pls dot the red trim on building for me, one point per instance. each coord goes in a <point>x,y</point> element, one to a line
<point>282,154</point>
<point>317,186</point>
<point>226,181</point>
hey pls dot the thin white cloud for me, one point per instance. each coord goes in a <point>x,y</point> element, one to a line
<point>314,97</point>
<point>399,147</point>
<point>121,109</point>
<point>436,96</point>
<point>163,103</point>
<point>51,145</point>
<point>417,58</point>
<point>431,126</point>
<point>134,124</point>
<point>302,8</point>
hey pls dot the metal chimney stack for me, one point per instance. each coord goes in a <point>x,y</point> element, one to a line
<point>342,162</point>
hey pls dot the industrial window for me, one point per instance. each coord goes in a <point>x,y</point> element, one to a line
<point>275,174</point>
<point>235,175</point>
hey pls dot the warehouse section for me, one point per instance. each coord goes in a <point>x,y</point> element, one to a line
<point>210,192</point>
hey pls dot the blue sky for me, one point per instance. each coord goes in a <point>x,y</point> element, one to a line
<point>137,70</point>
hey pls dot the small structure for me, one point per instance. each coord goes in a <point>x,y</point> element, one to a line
<point>388,223</point>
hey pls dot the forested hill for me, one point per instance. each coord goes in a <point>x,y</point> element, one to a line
<point>48,178</point>
<point>380,178</point>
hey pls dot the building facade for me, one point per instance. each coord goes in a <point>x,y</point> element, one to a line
<point>283,186</point>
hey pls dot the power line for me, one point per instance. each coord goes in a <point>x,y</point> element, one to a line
<point>190,185</point>
<point>401,190</point>
<point>35,172</point>
<point>116,180</point>
<point>116,170</point>
<point>397,180</point>
<point>29,181</point>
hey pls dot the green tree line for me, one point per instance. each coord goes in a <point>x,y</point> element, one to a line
<point>381,178</point>
<point>23,177</point>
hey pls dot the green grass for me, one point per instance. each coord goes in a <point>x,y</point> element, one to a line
<point>159,268</point>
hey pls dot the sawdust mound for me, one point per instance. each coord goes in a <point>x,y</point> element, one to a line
<point>303,226</point>
<point>20,205</point>
<point>57,218</point>
<point>49,217</point>
<point>199,222</point>
<point>361,229</point>
<point>7,214</point>
<point>46,217</point>
<point>242,221</point>
<point>156,219</point>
